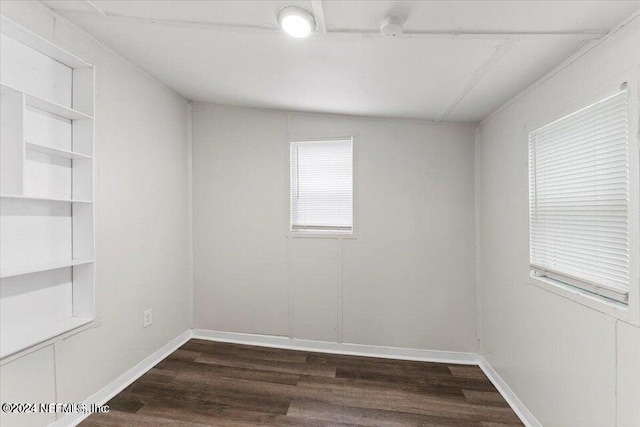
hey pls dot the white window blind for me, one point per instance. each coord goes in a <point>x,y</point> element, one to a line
<point>322,185</point>
<point>579,199</point>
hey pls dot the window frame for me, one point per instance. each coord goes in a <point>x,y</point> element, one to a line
<point>321,234</point>
<point>629,312</point>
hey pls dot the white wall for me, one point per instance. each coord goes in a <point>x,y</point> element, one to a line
<point>406,281</point>
<point>141,230</point>
<point>571,365</point>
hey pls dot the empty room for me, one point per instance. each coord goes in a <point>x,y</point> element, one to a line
<point>320,213</point>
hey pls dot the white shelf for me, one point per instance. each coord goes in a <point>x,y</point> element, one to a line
<point>42,199</point>
<point>27,269</point>
<point>53,108</point>
<point>48,106</point>
<point>15,343</point>
<point>56,152</point>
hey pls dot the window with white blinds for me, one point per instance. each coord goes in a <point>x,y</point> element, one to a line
<point>579,199</point>
<point>322,185</point>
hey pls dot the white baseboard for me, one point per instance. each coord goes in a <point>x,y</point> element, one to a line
<point>103,395</point>
<point>339,348</point>
<point>124,380</point>
<point>516,404</point>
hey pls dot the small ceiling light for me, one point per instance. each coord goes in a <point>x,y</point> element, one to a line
<point>392,27</point>
<point>296,21</point>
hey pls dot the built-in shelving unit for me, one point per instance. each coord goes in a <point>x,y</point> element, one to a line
<point>46,190</point>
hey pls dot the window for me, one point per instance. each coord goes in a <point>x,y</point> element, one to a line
<point>579,199</point>
<point>322,185</point>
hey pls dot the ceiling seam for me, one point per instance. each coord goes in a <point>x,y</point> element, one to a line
<point>482,71</point>
<point>344,116</point>
<point>274,30</point>
<point>318,13</point>
<point>95,8</point>
<point>560,67</point>
<point>475,35</point>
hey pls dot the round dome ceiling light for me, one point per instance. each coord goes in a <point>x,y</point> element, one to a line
<point>296,21</point>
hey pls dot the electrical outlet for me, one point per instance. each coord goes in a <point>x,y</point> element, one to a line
<point>148,317</point>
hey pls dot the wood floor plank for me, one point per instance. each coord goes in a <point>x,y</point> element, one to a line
<point>393,373</point>
<point>120,419</point>
<point>179,366</point>
<point>267,365</point>
<point>200,395</point>
<point>375,384</point>
<point>250,352</point>
<point>403,373</point>
<point>485,397</point>
<point>368,417</point>
<point>356,393</point>
<point>491,424</point>
<point>182,354</point>
<point>345,361</point>
<point>431,379</point>
<point>235,417</point>
<point>158,376</point>
<point>473,372</point>
<point>125,403</point>
<point>244,347</point>
<point>363,397</point>
<point>206,383</point>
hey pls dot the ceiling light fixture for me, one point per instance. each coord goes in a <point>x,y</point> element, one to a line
<point>296,21</point>
<point>392,27</point>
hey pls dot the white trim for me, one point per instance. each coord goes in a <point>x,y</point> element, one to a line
<point>103,395</point>
<point>477,243</point>
<point>190,235</point>
<point>273,341</point>
<point>340,293</point>
<point>587,299</point>
<point>299,137</point>
<point>322,235</point>
<point>514,402</point>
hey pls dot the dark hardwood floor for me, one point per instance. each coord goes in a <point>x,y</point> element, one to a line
<point>207,383</point>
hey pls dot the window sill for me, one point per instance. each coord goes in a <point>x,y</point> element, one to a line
<point>587,299</point>
<point>322,235</point>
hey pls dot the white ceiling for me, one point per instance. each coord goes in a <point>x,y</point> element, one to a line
<point>460,61</point>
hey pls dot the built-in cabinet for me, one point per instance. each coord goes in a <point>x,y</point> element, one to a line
<point>46,190</point>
